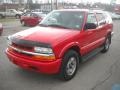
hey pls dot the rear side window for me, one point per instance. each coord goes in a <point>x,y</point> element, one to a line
<point>26,14</point>
<point>101,18</point>
<point>108,18</point>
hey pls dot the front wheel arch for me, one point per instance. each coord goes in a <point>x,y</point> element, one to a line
<point>75,48</point>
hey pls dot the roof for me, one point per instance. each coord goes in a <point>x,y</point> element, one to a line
<point>82,10</point>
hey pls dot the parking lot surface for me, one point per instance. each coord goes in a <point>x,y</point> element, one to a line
<point>91,75</point>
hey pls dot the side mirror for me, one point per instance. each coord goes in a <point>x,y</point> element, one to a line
<point>90,26</point>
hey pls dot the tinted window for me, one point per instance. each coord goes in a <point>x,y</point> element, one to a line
<point>34,15</point>
<point>91,18</point>
<point>28,15</point>
<point>108,17</point>
<point>100,17</point>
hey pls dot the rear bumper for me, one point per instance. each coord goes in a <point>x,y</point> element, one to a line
<point>42,67</point>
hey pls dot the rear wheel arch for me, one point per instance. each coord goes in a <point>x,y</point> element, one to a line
<point>107,43</point>
<point>109,36</point>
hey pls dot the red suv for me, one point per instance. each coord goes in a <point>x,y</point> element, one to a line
<point>62,40</point>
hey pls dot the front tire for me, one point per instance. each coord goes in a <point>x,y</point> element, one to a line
<point>69,65</point>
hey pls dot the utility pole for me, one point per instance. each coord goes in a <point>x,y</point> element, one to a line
<point>29,3</point>
<point>51,5</point>
<point>56,4</point>
<point>20,3</point>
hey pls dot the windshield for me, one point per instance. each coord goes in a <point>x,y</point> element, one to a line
<point>64,19</point>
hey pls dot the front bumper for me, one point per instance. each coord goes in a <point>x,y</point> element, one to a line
<point>52,67</point>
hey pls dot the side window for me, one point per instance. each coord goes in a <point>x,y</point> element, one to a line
<point>11,11</point>
<point>91,18</point>
<point>33,15</point>
<point>107,17</point>
<point>100,18</point>
<point>28,15</point>
<point>91,22</point>
<point>25,14</point>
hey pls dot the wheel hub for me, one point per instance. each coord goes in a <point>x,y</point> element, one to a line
<point>71,66</point>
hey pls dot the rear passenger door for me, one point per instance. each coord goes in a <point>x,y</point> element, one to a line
<point>102,27</point>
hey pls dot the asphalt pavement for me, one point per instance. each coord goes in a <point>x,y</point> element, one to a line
<point>101,72</point>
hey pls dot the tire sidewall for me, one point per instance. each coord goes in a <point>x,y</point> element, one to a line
<point>107,42</point>
<point>67,56</point>
<point>104,46</point>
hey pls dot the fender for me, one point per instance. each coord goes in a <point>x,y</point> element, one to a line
<point>67,47</point>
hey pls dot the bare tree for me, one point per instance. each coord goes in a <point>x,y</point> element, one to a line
<point>29,3</point>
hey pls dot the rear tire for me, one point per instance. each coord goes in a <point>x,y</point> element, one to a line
<point>106,45</point>
<point>69,65</point>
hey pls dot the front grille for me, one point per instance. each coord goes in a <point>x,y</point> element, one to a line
<point>23,54</point>
<point>22,47</point>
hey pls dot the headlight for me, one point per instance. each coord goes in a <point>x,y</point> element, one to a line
<point>43,50</point>
<point>46,54</point>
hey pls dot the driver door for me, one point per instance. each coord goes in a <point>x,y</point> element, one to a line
<point>89,36</point>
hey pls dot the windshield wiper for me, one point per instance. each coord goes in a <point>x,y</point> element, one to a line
<point>60,26</point>
<point>43,25</point>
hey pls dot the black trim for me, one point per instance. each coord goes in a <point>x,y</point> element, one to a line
<point>28,43</point>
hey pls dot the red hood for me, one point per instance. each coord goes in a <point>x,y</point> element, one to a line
<point>46,34</point>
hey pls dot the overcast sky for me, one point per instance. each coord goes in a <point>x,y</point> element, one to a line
<point>78,1</point>
<point>103,1</point>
